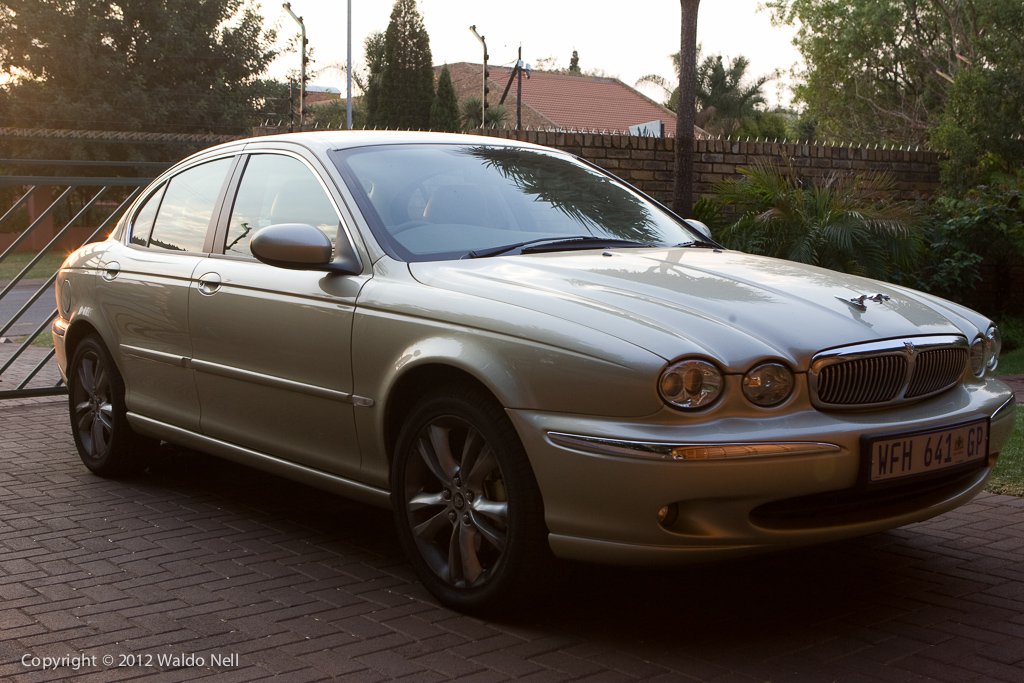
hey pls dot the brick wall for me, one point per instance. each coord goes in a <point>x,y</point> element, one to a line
<point>647,162</point>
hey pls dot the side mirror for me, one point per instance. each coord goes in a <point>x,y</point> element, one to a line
<point>298,246</point>
<point>701,228</point>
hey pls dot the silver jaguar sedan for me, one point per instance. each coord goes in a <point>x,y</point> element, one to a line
<point>519,354</point>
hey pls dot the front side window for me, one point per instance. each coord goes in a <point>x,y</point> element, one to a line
<point>277,189</point>
<point>187,208</point>
<point>429,202</point>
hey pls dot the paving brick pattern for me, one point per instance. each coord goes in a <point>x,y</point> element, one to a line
<point>201,557</point>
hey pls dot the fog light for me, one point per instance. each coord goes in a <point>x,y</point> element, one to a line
<point>667,515</point>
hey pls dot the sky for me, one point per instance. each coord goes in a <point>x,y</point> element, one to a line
<point>626,39</point>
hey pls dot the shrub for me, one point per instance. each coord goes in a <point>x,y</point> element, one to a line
<point>844,221</point>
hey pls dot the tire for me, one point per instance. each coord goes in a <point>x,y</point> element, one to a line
<point>467,507</point>
<point>106,442</point>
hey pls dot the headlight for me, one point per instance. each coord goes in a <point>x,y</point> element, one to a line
<point>690,384</point>
<point>979,356</point>
<point>768,384</point>
<point>994,345</point>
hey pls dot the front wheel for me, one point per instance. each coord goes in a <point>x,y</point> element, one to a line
<point>467,507</point>
<point>106,442</point>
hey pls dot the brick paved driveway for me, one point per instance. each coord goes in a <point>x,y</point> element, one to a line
<point>203,557</point>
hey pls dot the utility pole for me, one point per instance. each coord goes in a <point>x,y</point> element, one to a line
<point>483,82</point>
<point>302,69</point>
<point>516,75</point>
<point>519,90</point>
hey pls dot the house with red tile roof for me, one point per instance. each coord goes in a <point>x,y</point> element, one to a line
<point>560,101</point>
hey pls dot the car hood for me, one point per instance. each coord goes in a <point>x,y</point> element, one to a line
<point>734,307</point>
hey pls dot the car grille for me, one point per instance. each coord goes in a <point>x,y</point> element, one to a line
<point>885,373</point>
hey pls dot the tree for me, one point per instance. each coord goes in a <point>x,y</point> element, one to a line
<point>882,70</point>
<point>496,114</point>
<point>370,80</point>
<point>407,79</point>
<point>574,64</point>
<point>725,97</point>
<point>161,66</point>
<point>682,190</point>
<point>444,113</point>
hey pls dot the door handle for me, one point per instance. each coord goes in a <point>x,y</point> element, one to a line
<point>111,270</point>
<point>209,283</point>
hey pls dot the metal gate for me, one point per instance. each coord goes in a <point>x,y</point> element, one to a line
<point>61,213</point>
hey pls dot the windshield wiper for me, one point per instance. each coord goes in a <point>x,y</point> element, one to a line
<point>702,244</point>
<point>556,244</point>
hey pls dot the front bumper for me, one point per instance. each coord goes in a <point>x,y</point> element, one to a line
<point>604,507</point>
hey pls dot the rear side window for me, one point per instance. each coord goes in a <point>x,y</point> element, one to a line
<point>189,200</point>
<point>142,226</point>
<point>277,189</point>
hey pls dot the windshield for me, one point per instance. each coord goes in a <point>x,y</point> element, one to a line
<point>430,202</point>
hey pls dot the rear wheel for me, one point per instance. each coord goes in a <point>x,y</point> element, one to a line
<point>106,442</point>
<point>468,509</point>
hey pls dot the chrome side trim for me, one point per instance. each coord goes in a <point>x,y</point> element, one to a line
<point>330,482</point>
<point>270,380</point>
<point>158,356</point>
<point>652,450</point>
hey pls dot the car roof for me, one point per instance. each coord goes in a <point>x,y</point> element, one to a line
<point>320,142</point>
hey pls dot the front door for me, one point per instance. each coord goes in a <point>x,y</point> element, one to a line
<point>271,347</point>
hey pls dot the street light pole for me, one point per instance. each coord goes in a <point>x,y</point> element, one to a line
<point>302,69</point>
<point>348,72</point>
<point>483,83</point>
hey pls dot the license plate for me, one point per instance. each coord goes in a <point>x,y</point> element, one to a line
<point>908,455</point>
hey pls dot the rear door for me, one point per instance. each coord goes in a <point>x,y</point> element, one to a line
<point>145,296</point>
<point>271,347</point>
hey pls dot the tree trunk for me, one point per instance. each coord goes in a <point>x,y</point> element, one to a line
<point>682,194</point>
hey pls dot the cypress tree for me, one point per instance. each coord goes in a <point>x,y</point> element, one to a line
<point>407,81</point>
<point>444,114</point>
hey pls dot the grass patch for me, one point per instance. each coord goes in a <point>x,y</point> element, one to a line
<point>13,264</point>
<point>1011,362</point>
<point>1008,477</point>
<point>44,340</point>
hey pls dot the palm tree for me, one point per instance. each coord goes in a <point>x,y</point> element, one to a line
<point>843,221</point>
<point>724,97</point>
<point>682,190</point>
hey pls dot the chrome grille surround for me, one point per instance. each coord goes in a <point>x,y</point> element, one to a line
<point>877,374</point>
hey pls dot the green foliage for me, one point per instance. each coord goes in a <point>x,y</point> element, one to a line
<point>726,98</point>
<point>884,70</point>
<point>843,221</point>
<point>728,101</point>
<point>574,64</point>
<point>444,113</point>
<point>981,229</point>
<point>1012,330</point>
<point>167,65</point>
<point>1008,477</point>
<point>980,126</point>
<point>370,81</point>
<point>333,115</point>
<point>771,125</point>
<point>496,114</point>
<point>406,89</point>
